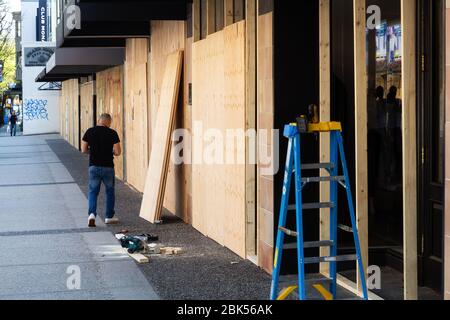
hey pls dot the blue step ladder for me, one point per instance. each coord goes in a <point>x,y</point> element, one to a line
<point>294,169</point>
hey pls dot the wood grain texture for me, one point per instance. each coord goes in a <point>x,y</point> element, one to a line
<point>265,110</point>
<point>70,113</point>
<point>325,116</point>
<point>361,196</point>
<point>109,89</point>
<point>408,19</point>
<point>136,112</point>
<point>168,37</point>
<point>250,123</point>
<point>219,103</point>
<point>229,12</point>
<point>161,143</point>
<point>86,107</point>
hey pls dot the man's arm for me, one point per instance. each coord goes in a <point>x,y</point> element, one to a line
<point>117,149</point>
<point>84,147</point>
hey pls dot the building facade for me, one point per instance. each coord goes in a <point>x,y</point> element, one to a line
<point>40,107</point>
<point>375,66</point>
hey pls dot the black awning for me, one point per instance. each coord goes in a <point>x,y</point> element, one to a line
<point>109,23</point>
<point>70,63</point>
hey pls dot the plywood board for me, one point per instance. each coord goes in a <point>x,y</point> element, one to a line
<point>265,109</point>
<point>109,90</point>
<point>167,38</point>
<point>250,122</point>
<point>136,112</point>
<point>219,103</point>
<point>408,19</point>
<point>70,102</point>
<point>160,155</point>
<point>361,194</point>
<point>86,107</point>
<point>325,116</point>
<point>235,118</point>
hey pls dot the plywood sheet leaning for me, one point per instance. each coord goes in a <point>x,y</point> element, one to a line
<point>159,160</point>
<point>110,100</point>
<point>167,38</point>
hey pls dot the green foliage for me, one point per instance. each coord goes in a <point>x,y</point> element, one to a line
<point>8,56</point>
<point>7,46</point>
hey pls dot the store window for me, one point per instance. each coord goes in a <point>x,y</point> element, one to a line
<point>384,63</point>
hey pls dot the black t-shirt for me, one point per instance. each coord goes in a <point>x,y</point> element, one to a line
<point>101,141</point>
<point>13,119</point>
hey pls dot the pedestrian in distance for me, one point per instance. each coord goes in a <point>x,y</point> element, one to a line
<point>102,144</point>
<point>13,123</point>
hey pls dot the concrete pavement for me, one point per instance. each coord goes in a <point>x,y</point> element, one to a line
<point>44,234</point>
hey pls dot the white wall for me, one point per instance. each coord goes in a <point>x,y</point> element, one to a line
<point>40,108</point>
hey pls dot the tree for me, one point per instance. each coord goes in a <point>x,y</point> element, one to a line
<point>7,46</point>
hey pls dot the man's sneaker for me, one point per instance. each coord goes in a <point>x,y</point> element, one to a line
<point>112,221</point>
<point>92,221</point>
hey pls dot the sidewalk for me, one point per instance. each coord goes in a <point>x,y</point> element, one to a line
<point>43,187</point>
<point>206,271</point>
<point>43,232</point>
<point>4,133</point>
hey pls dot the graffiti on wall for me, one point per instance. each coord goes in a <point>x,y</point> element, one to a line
<point>35,109</point>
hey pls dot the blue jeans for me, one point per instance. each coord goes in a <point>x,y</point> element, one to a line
<point>13,129</point>
<point>97,175</point>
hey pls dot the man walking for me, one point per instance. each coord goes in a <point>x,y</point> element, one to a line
<point>13,123</point>
<point>102,144</point>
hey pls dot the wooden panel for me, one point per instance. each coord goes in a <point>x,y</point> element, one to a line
<point>167,38</point>
<point>63,121</point>
<point>239,10</point>
<point>361,196</point>
<point>408,19</point>
<point>250,110</point>
<point>187,125</point>
<point>196,20</point>
<point>136,112</point>
<point>235,110</point>
<point>211,16</point>
<point>219,99</point>
<point>109,90</point>
<point>160,156</point>
<point>208,87</point>
<point>86,107</point>
<point>69,105</point>
<point>265,109</point>
<point>229,12</point>
<point>325,115</point>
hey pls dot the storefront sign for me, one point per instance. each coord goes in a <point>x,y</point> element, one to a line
<point>42,21</point>
<point>37,57</point>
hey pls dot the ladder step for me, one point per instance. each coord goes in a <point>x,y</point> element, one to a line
<point>313,206</point>
<point>315,166</point>
<point>345,228</point>
<point>350,257</point>
<point>323,179</point>
<point>312,244</point>
<point>293,279</point>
